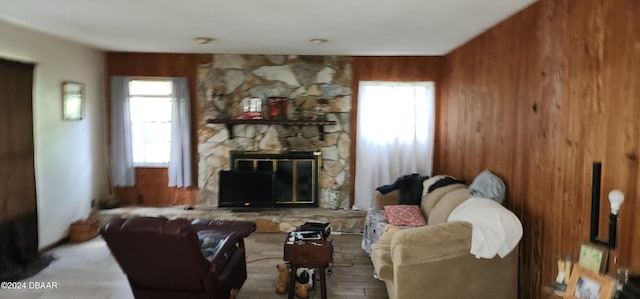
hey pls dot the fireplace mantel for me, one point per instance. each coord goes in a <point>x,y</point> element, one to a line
<point>229,123</point>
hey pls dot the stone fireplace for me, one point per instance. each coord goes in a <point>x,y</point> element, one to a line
<point>308,82</point>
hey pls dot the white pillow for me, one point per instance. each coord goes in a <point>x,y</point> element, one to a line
<point>488,185</point>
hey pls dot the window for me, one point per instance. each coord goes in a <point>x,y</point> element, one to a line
<point>150,103</point>
<point>395,113</point>
<point>150,127</point>
<point>395,134</point>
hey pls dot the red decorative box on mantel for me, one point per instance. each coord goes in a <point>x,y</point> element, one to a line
<point>277,107</point>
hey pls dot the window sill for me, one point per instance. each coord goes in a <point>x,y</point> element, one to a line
<point>151,165</point>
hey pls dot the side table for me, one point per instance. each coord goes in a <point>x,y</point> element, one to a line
<point>308,254</point>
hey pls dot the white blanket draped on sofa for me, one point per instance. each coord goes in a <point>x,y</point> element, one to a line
<point>495,230</point>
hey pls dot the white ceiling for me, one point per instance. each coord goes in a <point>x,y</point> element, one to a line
<point>353,27</point>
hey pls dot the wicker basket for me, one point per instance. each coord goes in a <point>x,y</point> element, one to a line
<point>83,230</point>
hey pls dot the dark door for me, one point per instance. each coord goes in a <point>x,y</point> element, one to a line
<point>18,216</point>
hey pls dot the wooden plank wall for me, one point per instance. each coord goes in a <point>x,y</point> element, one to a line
<point>152,189</point>
<point>537,99</point>
<point>152,183</point>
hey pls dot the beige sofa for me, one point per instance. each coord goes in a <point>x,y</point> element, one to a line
<point>434,261</point>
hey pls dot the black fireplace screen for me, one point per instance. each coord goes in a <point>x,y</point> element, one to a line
<point>295,183</point>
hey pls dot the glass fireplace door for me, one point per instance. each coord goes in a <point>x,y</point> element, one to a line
<point>296,175</point>
<point>295,181</point>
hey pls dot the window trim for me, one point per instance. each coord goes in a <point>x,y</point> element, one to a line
<point>151,165</point>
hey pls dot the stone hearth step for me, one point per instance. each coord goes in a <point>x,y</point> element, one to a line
<point>267,220</point>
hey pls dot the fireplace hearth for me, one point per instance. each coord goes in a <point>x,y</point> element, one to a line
<point>260,179</point>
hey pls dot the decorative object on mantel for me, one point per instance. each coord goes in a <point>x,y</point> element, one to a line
<point>321,110</point>
<point>252,108</point>
<point>72,100</point>
<point>616,198</point>
<point>277,107</point>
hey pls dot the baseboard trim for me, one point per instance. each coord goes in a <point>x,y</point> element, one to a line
<point>55,244</point>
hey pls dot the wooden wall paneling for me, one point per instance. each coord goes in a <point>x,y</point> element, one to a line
<point>477,75</point>
<point>568,72</point>
<point>584,89</point>
<point>151,189</point>
<point>126,195</point>
<point>520,182</point>
<point>529,194</point>
<point>151,184</point>
<point>620,81</point>
<point>397,68</point>
<point>627,57</point>
<point>554,155</point>
<point>160,65</point>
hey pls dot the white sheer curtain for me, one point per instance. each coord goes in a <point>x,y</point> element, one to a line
<point>180,161</point>
<point>122,170</point>
<point>395,134</point>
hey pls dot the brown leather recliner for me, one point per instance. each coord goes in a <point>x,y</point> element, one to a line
<point>162,258</point>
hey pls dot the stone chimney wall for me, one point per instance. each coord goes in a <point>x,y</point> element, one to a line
<point>311,83</point>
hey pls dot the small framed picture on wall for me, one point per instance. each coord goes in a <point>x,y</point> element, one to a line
<point>72,100</point>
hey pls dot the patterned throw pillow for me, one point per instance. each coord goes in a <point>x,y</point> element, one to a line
<point>409,215</point>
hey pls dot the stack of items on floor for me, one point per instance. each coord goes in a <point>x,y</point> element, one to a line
<point>452,241</point>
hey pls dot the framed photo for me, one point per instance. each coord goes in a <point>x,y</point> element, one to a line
<point>586,284</point>
<point>593,257</point>
<point>72,100</point>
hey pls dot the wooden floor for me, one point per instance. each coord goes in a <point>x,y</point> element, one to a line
<point>351,274</point>
<point>87,270</point>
